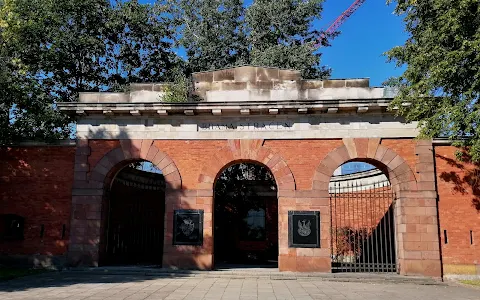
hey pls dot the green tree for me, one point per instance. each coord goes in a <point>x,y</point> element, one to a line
<point>440,87</point>
<point>223,33</point>
<point>212,33</point>
<point>56,49</point>
<point>139,44</point>
<point>280,35</point>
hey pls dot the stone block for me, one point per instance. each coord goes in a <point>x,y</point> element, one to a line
<point>388,157</point>
<point>169,169</point>
<point>145,148</point>
<point>381,150</point>
<point>126,146</point>
<point>152,151</point>
<point>287,263</point>
<point>372,147</point>
<point>284,75</point>
<point>395,162</point>
<point>351,147</point>
<point>223,75</point>
<point>135,147</point>
<point>361,145</point>
<point>146,96</point>
<point>313,264</point>
<point>158,158</point>
<point>311,84</point>
<point>202,77</point>
<point>233,86</point>
<point>334,83</point>
<point>88,97</point>
<point>430,268</point>
<point>222,96</point>
<point>260,95</point>
<point>141,87</point>
<point>426,186</point>
<point>355,83</point>
<point>260,85</point>
<point>244,74</point>
<point>267,74</point>
<point>284,94</point>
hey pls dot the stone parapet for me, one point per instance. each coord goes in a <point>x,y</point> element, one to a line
<point>246,84</point>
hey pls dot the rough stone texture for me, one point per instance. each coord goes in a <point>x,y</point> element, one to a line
<point>248,83</point>
<point>459,212</point>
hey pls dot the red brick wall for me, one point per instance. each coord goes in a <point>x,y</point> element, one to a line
<point>459,211</point>
<point>36,183</point>
<point>302,169</point>
<point>361,209</point>
<point>303,157</point>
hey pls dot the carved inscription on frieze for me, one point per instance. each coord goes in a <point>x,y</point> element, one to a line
<point>246,126</point>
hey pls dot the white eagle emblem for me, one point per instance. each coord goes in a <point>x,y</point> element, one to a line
<point>187,227</point>
<point>304,228</point>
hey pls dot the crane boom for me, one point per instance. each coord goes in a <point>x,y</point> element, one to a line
<point>342,18</point>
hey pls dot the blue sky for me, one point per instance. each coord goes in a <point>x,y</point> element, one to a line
<point>358,51</point>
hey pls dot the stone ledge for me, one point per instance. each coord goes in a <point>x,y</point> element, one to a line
<point>379,105</point>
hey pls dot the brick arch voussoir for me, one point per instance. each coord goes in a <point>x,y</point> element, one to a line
<point>237,151</point>
<point>400,174</point>
<point>111,163</point>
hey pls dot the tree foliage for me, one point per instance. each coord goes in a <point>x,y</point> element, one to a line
<point>59,48</point>
<point>280,34</point>
<point>51,50</point>
<point>219,34</point>
<point>440,87</point>
<point>212,33</point>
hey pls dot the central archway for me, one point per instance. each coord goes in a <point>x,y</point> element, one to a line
<point>245,216</point>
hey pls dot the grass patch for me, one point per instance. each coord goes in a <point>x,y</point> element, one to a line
<point>471,282</point>
<point>7,273</point>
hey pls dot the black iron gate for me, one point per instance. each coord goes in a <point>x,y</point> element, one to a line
<point>363,230</point>
<point>136,221</point>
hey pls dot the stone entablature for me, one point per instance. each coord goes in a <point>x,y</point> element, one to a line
<point>243,103</point>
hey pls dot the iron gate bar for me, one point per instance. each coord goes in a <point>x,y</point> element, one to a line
<point>362,217</point>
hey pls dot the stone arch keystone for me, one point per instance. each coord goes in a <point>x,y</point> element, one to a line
<point>247,150</point>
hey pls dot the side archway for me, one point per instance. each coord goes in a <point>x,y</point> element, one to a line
<point>369,150</point>
<point>88,197</point>
<point>415,207</point>
<point>104,171</point>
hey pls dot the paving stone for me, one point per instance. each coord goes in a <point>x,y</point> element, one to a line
<point>97,287</point>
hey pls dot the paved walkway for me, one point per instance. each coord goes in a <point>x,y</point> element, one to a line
<point>78,286</point>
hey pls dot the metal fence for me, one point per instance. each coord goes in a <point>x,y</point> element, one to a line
<point>363,230</point>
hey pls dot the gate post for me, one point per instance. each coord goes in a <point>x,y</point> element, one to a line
<point>417,229</point>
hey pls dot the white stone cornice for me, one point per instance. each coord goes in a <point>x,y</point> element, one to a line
<point>231,108</point>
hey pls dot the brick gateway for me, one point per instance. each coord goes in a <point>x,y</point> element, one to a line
<point>301,130</point>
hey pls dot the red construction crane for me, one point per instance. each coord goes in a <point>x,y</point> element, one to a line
<point>341,19</point>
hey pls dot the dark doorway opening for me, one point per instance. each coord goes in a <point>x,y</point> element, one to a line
<point>135,222</point>
<point>246,217</point>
